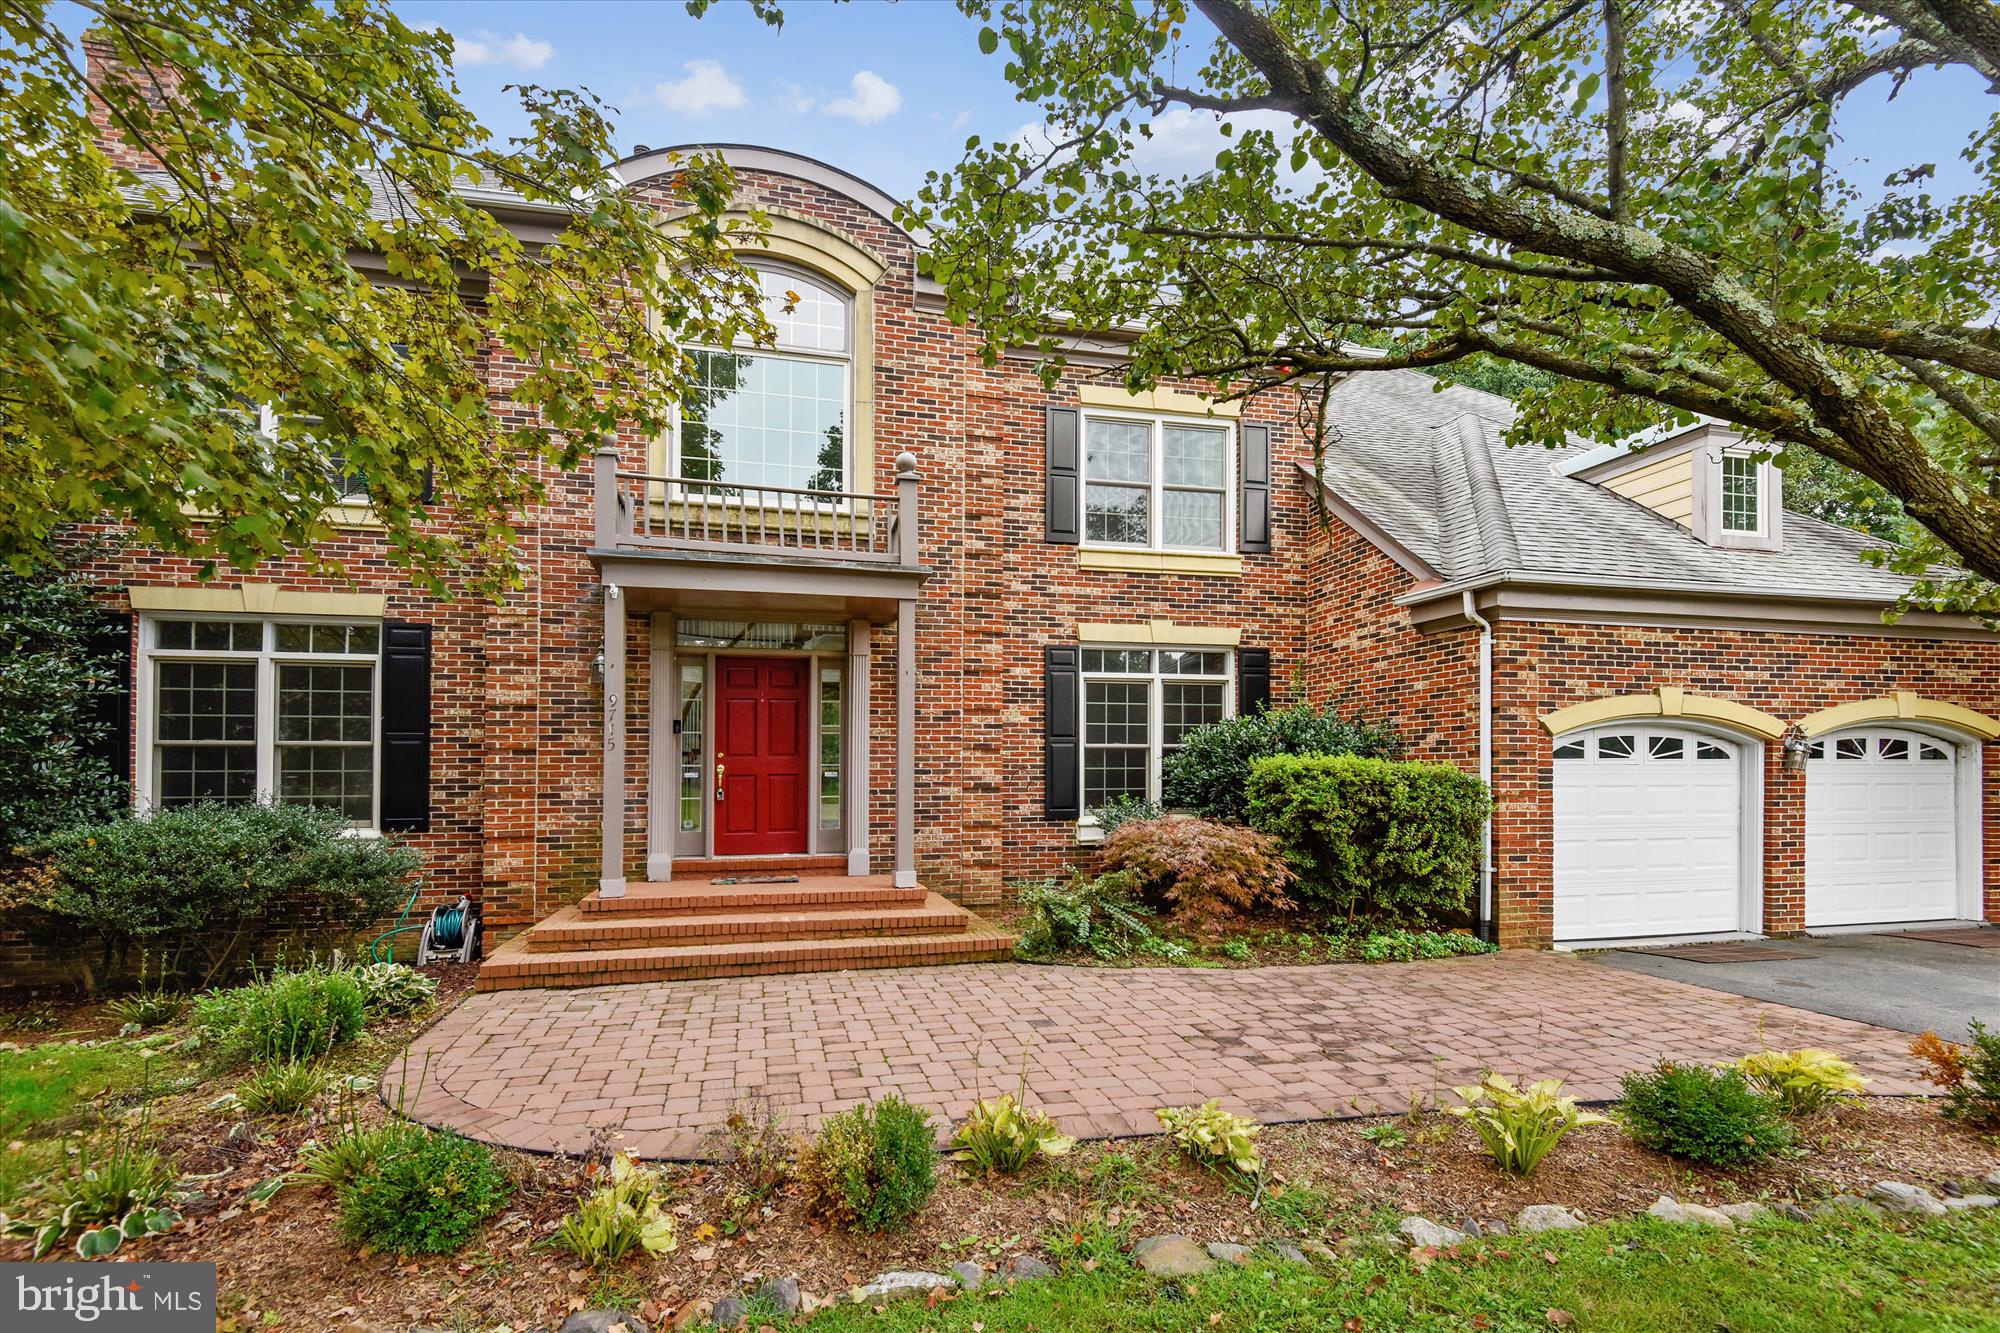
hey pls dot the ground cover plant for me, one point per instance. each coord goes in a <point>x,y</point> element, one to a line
<point>1099,916</point>
<point>287,1016</point>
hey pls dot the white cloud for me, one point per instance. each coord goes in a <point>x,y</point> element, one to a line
<point>874,99</point>
<point>517,52</point>
<point>707,87</point>
<point>796,101</point>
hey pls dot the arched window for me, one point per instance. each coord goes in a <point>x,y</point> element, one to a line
<point>776,416</point>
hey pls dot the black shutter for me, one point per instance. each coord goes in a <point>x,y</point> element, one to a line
<point>429,492</point>
<point>406,727</point>
<point>1254,523</point>
<point>1253,680</point>
<point>1064,503</point>
<point>1062,718</point>
<point>111,646</point>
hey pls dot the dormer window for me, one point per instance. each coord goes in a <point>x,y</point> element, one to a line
<point>1742,494</point>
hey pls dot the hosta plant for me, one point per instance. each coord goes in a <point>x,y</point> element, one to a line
<point>1520,1125</point>
<point>1003,1134</point>
<point>1213,1136</point>
<point>282,1089</point>
<point>625,1214</point>
<point>1803,1081</point>
<point>138,1224</point>
<point>392,988</point>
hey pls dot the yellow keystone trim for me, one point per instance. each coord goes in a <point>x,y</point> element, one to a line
<point>259,599</point>
<point>1902,706</point>
<point>1164,632</point>
<point>1155,400</point>
<point>1667,701</point>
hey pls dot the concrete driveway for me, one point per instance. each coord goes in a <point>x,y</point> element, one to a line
<point>1885,980</point>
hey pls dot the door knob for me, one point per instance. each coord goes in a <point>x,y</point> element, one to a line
<point>718,777</point>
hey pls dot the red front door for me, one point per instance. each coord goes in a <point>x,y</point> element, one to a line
<point>761,774</point>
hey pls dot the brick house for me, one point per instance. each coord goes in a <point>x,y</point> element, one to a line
<point>889,620</point>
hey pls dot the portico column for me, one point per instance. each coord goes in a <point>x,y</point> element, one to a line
<point>611,867</point>
<point>906,743</point>
<point>859,775</point>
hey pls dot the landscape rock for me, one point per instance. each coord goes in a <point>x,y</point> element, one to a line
<point>781,1294</point>
<point>898,1285</point>
<point>1421,1231</point>
<point>1537,1217</point>
<point>1791,1212</point>
<point>1494,1227</point>
<point>1376,1241</point>
<point>1992,1181</point>
<point>1747,1211</point>
<point>969,1274</point>
<point>1898,1197</point>
<point>1973,1201</point>
<point>1292,1254</point>
<point>728,1312</point>
<point>1225,1253</point>
<point>1668,1209</point>
<point>1840,1202</point>
<point>1319,1252</point>
<point>1172,1256</point>
<point>1027,1268</point>
<point>604,1321</point>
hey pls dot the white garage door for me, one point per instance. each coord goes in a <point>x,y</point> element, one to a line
<point>1648,836</point>
<point>1881,828</point>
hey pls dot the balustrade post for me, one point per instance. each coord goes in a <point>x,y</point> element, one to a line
<point>906,509</point>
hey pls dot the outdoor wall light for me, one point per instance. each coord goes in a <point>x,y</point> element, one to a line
<point>1796,748</point>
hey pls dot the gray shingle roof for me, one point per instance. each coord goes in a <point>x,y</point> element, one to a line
<point>1429,468</point>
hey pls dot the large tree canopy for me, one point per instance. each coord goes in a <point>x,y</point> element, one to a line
<point>313,237</point>
<point>1650,203</point>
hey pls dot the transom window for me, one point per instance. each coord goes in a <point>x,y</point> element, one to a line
<point>1742,494</point>
<point>1894,749</point>
<point>245,710</point>
<point>1156,482</point>
<point>1622,746</point>
<point>1138,703</point>
<point>774,416</point>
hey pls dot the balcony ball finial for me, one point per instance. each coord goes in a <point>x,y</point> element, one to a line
<point>906,464</point>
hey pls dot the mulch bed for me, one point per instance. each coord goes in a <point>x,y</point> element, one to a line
<point>282,1265</point>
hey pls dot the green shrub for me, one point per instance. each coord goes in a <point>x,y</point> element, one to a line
<point>425,1193</point>
<point>198,887</point>
<point>1520,1125</point>
<point>625,1214</point>
<point>1705,1115</point>
<point>1122,810</point>
<point>392,989</point>
<point>1969,1075</point>
<point>288,1016</point>
<point>1098,915</point>
<point>1407,946</point>
<point>871,1167</point>
<point>1373,839</point>
<point>1213,1136</point>
<point>282,1089</point>
<point>1210,773</point>
<point>1202,870</point>
<point>1803,1081</point>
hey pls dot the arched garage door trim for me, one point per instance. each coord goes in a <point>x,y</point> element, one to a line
<point>1666,702</point>
<point>1965,732</point>
<point>1747,748</point>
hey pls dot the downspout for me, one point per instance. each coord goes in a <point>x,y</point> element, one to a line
<point>1484,924</point>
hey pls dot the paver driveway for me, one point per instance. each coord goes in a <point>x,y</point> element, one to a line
<point>655,1069</point>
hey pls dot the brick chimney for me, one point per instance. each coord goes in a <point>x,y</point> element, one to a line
<point>159,85</point>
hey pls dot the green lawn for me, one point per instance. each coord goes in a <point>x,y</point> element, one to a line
<point>47,1090</point>
<point>1853,1273</point>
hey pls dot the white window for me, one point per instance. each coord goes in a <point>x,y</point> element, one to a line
<point>1137,705</point>
<point>1742,494</point>
<point>241,710</point>
<point>775,416</point>
<point>1156,482</point>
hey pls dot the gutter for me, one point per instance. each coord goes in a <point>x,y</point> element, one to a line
<point>1484,924</point>
<point>1542,578</point>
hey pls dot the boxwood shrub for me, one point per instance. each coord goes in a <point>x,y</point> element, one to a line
<point>1208,774</point>
<point>1374,840</point>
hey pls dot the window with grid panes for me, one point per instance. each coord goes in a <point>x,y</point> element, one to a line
<point>1157,483</point>
<point>243,710</point>
<point>1138,703</point>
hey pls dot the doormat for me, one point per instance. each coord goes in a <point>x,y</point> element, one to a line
<point>756,879</point>
<point>1977,937</point>
<point>1723,951</point>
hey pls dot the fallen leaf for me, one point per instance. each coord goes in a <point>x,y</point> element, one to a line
<point>1551,1256</point>
<point>1215,1318</point>
<point>1561,1318</point>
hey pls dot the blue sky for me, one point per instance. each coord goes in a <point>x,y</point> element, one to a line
<point>889,91</point>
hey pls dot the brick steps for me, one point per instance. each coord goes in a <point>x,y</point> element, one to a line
<point>570,929</point>
<point>828,893</point>
<point>698,928</point>
<point>513,966</point>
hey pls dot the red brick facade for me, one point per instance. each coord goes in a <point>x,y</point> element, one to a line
<point>517,706</point>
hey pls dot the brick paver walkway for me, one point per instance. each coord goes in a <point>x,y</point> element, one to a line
<point>655,1069</point>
